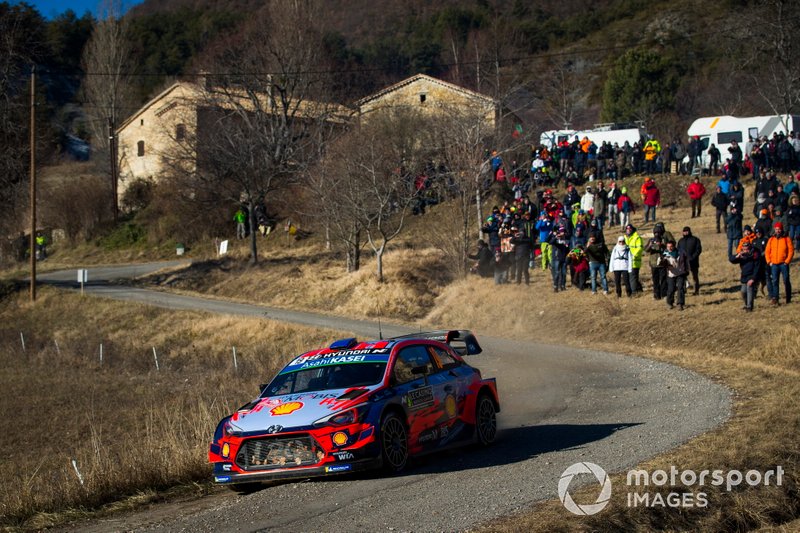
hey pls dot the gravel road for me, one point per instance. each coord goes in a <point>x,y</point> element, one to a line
<point>559,406</point>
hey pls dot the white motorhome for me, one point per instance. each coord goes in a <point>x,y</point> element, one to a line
<point>611,133</point>
<point>722,130</point>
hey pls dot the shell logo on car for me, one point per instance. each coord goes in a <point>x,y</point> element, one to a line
<point>286,408</point>
<point>340,438</point>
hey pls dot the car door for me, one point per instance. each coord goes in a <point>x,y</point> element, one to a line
<point>450,383</point>
<point>412,369</point>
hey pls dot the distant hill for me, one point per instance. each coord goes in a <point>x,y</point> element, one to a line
<point>494,46</point>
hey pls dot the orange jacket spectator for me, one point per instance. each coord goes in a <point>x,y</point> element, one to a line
<point>779,248</point>
<point>585,143</point>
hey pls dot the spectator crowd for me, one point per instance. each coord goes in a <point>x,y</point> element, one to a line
<point>565,235</point>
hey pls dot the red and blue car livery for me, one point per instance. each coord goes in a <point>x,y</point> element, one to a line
<point>358,405</point>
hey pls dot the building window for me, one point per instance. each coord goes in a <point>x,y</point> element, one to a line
<point>422,97</point>
<point>141,122</point>
<point>180,132</point>
<point>140,148</point>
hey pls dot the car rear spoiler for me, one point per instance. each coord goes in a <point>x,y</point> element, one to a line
<point>460,340</point>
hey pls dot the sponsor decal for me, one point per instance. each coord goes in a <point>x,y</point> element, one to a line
<point>419,398</point>
<point>227,468</point>
<point>222,479</point>
<point>286,408</point>
<point>344,456</point>
<point>343,357</point>
<point>332,355</point>
<point>310,396</point>
<point>450,406</point>
<point>333,404</point>
<point>340,438</point>
<point>338,468</point>
<point>275,428</point>
<point>428,436</point>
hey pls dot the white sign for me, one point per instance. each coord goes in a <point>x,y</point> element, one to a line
<point>83,275</point>
<point>223,247</point>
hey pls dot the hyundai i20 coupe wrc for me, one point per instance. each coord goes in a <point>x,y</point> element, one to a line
<point>359,405</point>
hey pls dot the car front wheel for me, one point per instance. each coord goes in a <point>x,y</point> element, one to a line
<point>394,443</point>
<point>485,420</point>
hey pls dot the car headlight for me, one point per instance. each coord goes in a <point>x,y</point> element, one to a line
<point>353,415</point>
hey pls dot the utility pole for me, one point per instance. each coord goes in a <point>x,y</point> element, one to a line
<point>112,154</point>
<point>33,184</point>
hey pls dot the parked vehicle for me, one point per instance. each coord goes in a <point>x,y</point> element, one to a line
<point>723,130</point>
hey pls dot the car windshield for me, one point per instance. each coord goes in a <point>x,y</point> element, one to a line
<point>338,376</point>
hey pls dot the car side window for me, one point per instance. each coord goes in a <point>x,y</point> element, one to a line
<point>447,360</point>
<point>408,359</point>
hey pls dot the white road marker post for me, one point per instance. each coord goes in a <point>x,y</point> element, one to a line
<point>235,364</point>
<point>22,340</point>
<point>155,356</point>
<point>101,353</point>
<point>58,350</point>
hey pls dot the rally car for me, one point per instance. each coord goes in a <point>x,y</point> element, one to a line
<point>359,405</point>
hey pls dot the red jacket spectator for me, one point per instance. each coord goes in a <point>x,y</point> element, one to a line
<point>652,196</point>
<point>696,190</point>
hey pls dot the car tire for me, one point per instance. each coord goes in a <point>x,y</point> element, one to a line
<point>394,443</point>
<point>485,420</point>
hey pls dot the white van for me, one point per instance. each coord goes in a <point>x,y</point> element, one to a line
<point>611,133</point>
<point>722,130</point>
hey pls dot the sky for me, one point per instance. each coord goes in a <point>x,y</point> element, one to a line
<point>52,8</point>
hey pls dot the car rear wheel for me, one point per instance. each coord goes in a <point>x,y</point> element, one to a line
<point>394,443</point>
<point>485,420</point>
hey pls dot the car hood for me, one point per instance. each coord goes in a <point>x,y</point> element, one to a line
<point>294,410</point>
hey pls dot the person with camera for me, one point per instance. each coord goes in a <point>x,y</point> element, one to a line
<point>677,265</point>
<point>597,254</point>
<point>750,263</point>
<point>656,247</point>
<point>483,267</point>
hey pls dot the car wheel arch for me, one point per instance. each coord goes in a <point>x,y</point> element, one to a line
<point>490,393</point>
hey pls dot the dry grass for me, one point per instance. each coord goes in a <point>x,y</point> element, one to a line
<point>317,282</point>
<point>131,429</point>
<point>755,354</point>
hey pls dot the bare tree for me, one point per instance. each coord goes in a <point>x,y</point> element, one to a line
<point>561,92</point>
<point>107,88</point>
<point>367,185</point>
<point>258,121</point>
<point>774,63</point>
<point>465,137</point>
